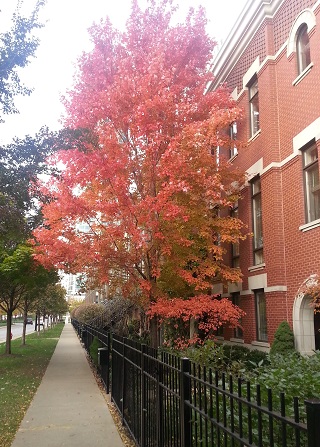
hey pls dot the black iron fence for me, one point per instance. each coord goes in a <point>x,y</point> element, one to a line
<point>166,401</point>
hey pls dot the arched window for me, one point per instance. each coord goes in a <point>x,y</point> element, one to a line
<point>303,48</point>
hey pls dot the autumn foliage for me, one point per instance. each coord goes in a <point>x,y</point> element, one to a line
<point>149,183</point>
<point>208,312</point>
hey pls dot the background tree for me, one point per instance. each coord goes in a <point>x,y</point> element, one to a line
<point>21,163</point>
<point>17,46</point>
<point>51,304</point>
<point>73,303</point>
<point>17,273</point>
<point>40,282</point>
<point>13,223</point>
<point>21,276</point>
<point>141,206</point>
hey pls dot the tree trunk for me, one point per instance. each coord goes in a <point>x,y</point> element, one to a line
<point>8,338</point>
<point>154,336</point>
<point>193,327</point>
<point>38,328</point>
<point>23,340</point>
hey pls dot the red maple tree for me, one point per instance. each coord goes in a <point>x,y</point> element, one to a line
<point>208,312</point>
<point>150,184</point>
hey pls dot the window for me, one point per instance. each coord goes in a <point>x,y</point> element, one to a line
<point>238,332</point>
<point>254,107</point>
<point>235,252</point>
<point>233,136</point>
<point>303,48</point>
<point>219,331</point>
<point>257,221</point>
<point>261,315</point>
<point>311,182</point>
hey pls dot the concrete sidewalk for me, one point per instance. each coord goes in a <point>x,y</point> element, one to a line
<point>68,409</point>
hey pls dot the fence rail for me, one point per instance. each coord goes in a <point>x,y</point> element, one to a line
<point>168,401</point>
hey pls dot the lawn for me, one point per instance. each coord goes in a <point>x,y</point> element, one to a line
<point>20,376</point>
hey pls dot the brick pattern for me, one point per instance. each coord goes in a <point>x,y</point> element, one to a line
<point>268,39</point>
<point>291,255</point>
<point>255,49</point>
<point>285,18</point>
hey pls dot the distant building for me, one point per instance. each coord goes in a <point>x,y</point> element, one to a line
<point>72,285</point>
<point>271,63</point>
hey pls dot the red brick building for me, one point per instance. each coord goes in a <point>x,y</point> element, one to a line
<point>271,63</point>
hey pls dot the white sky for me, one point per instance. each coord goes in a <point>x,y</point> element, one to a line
<point>65,37</point>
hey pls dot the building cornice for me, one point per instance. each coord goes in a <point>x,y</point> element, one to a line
<point>248,24</point>
<point>252,16</point>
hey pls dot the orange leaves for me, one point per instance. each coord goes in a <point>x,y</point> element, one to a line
<point>217,311</point>
<point>209,312</point>
<point>146,185</point>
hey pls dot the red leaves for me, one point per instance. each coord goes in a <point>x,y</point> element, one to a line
<point>209,312</point>
<point>147,185</point>
<point>217,312</point>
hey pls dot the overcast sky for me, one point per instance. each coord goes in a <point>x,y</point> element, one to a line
<point>64,38</point>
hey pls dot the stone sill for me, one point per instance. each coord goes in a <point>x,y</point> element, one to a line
<point>237,340</point>
<point>254,268</point>
<point>303,74</point>
<point>219,337</point>
<point>261,344</point>
<point>254,136</point>
<point>310,225</point>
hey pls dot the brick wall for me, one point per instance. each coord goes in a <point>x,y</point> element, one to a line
<point>291,255</point>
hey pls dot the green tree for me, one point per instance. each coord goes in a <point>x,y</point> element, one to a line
<point>50,303</point>
<point>15,269</point>
<point>20,273</point>
<point>21,164</point>
<point>12,223</point>
<point>17,46</point>
<point>39,283</point>
<point>283,340</point>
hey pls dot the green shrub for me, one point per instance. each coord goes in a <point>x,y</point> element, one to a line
<point>283,340</point>
<point>209,354</point>
<point>235,352</point>
<point>257,358</point>
<point>232,359</point>
<point>95,345</point>
<point>293,374</point>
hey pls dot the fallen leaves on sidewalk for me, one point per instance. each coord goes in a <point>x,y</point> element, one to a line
<point>123,432</point>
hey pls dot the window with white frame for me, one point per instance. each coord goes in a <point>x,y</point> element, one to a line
<point>257,221</point>
<point>233,136</point>
<point>254,106</point>
<point>311,182</point>
<point>303,48</point>
<point>261,315</point>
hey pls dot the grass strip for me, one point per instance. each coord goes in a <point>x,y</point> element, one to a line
<point>20,375</point>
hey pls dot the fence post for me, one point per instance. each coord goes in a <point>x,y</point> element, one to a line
<point>185,396</point>
<point>124,390</point>
<point>159,403</point>
<point>103,361</point>
<point>84,337</point>
<point>313,418</point>
<point>108,366</point>
<point>143,397</point>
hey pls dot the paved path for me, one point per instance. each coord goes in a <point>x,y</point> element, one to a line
<point>68,409</point>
